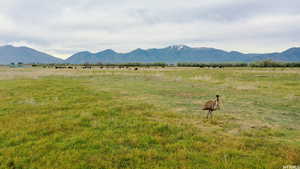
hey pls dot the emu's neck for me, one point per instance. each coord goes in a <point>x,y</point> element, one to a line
<point>217,102</point>
<point>216,105</point>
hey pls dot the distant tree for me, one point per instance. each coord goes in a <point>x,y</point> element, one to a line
<point>86,64</point>
<point>99,64</point>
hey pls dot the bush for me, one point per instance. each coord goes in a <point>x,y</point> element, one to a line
<point>271,63</point>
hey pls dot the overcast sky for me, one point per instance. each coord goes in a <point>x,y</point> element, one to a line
<point>63,27</point>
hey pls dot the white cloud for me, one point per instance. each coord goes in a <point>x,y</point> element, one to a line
<point>62,27</point>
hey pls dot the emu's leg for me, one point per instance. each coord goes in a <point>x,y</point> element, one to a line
<point>208,114</point>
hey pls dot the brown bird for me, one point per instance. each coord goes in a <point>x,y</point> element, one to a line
<point>211,106</point>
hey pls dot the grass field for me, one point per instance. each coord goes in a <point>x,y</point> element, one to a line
<point>150,118</point>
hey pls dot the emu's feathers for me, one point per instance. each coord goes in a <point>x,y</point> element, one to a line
<point>211,105</point>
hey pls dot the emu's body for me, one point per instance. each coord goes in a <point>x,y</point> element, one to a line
<point>211,106</point>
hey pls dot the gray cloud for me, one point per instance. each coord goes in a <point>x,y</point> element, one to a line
<point>62,27</point>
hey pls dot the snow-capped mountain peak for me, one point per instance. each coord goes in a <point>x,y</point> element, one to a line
<point>178,47</point>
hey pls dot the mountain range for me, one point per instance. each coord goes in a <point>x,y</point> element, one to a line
<point>9,54</point>
<point>171,54</point>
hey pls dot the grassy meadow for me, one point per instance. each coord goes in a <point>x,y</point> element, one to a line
<point>149,118</point>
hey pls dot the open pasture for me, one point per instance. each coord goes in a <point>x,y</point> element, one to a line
<point>149,118</point>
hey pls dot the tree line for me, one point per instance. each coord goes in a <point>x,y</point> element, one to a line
<point>263,63</point>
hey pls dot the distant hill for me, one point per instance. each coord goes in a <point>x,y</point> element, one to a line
<point>9,54</point>
<point>171,54</point>
<point>180,53</point>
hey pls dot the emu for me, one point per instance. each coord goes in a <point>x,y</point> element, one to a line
<point>211,106</point>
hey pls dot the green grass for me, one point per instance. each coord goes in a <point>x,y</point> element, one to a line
<point>149,118</point>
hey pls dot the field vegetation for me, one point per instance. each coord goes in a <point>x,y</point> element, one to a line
<point>149,118</point>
